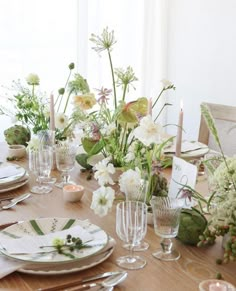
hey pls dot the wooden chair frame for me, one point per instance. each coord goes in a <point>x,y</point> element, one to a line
<point>218,111</point>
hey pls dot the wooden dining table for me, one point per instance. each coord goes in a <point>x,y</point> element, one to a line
<point>195,264</point>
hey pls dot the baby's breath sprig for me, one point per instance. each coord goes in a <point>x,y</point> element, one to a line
<point>68,246</point>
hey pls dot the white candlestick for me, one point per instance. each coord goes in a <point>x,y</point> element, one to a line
<point>179,133</point>
<point>52,117</point>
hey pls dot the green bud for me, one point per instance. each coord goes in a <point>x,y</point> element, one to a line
<point>61,91</point>
<point>71,66</point>
<point>218,276</point>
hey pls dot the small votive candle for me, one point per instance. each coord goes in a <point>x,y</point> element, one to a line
<point>218,286</point>
<point>73,193</point>
<point>215,285</point>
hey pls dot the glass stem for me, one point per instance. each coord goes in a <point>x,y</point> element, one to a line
<point>166,245</point>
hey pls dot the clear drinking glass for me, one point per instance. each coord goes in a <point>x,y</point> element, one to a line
<point>65,161</point>
<point>40,165</point>
<point>131,227</point>
<point>166,216</point>
<point>141,195</point>
<point>47,138</point>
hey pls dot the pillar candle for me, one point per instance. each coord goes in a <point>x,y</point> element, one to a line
<point>179,132</point>
<point>52,117</point>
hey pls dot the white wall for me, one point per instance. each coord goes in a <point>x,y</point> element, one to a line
<point>201,57</point>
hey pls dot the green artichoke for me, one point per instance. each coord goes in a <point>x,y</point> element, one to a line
<point>192,225</point>
<point>17,134</point>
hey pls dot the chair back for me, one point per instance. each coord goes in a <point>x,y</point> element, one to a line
<point>225,122</point>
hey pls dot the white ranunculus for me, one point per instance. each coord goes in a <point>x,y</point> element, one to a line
<point>166,83</point>
<point>148,131</point>
<point>103,170</point>
<point>32,79</point>
<point>33,144</point>
<point>102,200</point>
<point>129,183</point>
<point>61,120</point>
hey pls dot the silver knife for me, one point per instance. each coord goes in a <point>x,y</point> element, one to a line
<point>16,200</point>
<point>81,281</point>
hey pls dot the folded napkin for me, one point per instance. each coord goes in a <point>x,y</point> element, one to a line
<point>8,265</point>
<point>34,244</point>
<point>8,171</point>
<point>186,146</point>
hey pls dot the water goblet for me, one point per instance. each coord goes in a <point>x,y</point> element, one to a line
<point>166,217</point>
<point>65,161</point>
<point>131,227</point>
<point>40,166</point>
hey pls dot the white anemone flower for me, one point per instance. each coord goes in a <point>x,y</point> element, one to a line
<point>130,182</point>
<point>148,131</point>
<point>103,170</point>
<point>102,200</point>
<point>61,121</point>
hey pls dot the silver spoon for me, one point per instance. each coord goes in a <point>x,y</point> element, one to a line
<point>108,283</point>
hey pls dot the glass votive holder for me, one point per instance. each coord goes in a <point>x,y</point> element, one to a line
<point>216,285</point>
<point>73,193</point>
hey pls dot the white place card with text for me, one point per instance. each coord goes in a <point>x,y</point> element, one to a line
<point>183,173</point>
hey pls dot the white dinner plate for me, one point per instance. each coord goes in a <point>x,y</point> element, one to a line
<point>13,175</point>
<point>15,185</point>
<point>43,226</point>
<point>70,267</point>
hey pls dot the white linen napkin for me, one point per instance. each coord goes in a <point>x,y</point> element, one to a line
<point>33,244</point>
<point>8,171</point>
<point>8,265</point>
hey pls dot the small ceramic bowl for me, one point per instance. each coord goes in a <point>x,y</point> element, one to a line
<point>73,193</point>
<point>16,151</point>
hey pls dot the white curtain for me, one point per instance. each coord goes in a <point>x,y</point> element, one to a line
<point>43,37</point>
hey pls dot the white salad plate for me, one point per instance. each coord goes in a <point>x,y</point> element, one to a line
<point>196,150</point>
<point>17,184</point>
<point>39,228</point>
<point>10,173</point>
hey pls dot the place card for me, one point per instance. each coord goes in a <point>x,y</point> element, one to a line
<point>183,173</point>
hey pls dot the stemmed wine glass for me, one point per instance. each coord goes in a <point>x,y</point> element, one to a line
<point>40,162</point>
<point>131,227</point>
<point>65,161</point>
<point>166,216</point>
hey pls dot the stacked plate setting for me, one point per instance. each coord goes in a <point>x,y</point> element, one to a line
<point>39,231</point>
<point>12,177</point>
